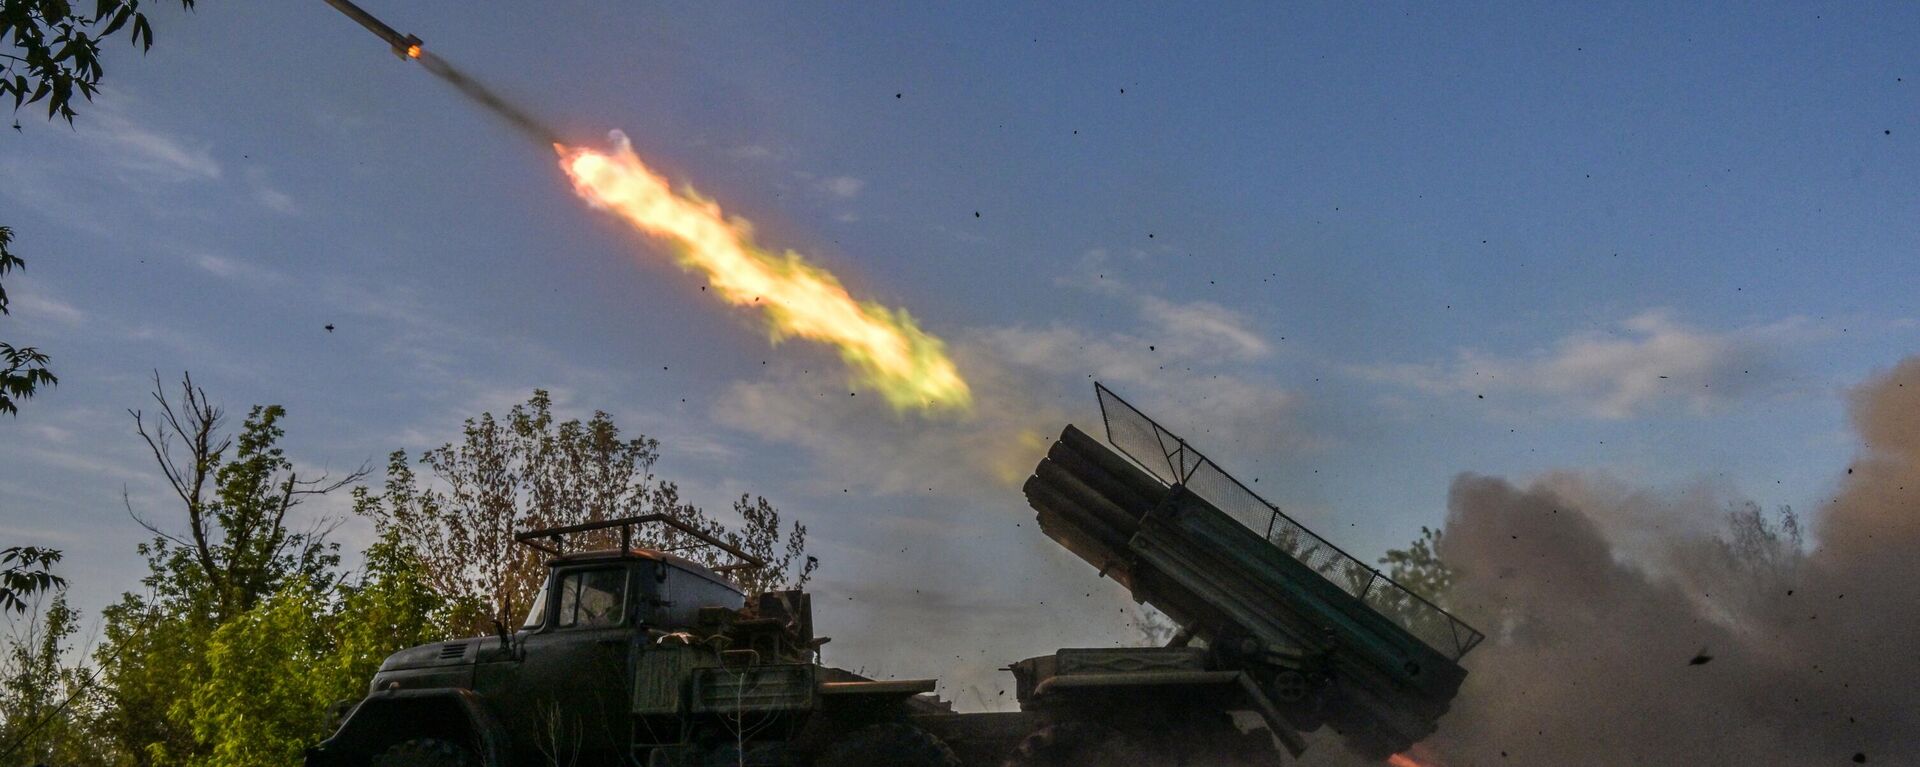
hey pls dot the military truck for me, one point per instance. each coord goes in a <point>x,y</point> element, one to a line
<point>633,656</point>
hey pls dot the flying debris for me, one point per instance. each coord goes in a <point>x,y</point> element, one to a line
<point>404,46</point>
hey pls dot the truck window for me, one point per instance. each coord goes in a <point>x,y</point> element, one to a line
<point>590,598</point>
<point>538,614</point>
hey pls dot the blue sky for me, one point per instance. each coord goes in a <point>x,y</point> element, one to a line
<point>1350,250</point>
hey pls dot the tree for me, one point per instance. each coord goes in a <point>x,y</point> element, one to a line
<point>530,471</point>
<point>236,509</point>
<point>22,370</point>
<point>24,571</point>
<point>237,553</point>
<point>788,566</point>
<point>43,699</point>
<point>56,51</point>
<point>273,671</point>
<point>1419,569</point>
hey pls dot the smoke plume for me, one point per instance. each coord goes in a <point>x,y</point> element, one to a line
<point>1736,646</point>
<point>490,100</point>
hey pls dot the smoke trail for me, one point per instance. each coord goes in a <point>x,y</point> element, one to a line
<point>1740,648</point>
<point>520,119</point>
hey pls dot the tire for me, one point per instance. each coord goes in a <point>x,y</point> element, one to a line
<point>424,752</point>
<point>892,744</point>
<point>1078,744</point>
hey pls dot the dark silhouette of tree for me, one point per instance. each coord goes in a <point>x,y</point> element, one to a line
<point>22,370</point>
<point>24,572</point>
<point>52,54</point>
<point>55,48</point>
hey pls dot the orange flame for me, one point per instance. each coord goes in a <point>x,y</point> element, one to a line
<point>884,346</point>
<point>1407,760</point>
<point>413,51</point>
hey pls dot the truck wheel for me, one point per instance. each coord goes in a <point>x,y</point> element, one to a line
<point>424,752</point>
<point>889,745</point>
<point>1077,744</point>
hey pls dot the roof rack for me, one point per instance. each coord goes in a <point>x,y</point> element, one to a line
<point>557,535</point>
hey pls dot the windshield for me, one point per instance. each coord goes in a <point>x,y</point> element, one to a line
<point>538,613</point>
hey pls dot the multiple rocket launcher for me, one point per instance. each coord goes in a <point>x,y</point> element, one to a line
<point>1333,657</point>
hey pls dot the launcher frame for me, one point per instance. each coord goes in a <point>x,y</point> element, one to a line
<point>557,535</point>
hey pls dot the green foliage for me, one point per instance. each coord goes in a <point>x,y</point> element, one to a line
<point>273,671</point>
<point>226,655</point>
<point>45,702</point>
<point>154,645</point>
<point>262,694</point>
<point>22,370</point>
<point>1419,568</point>
<point>23,573</point>
<point>236,507</point>
<point>255,552</point>
<point>391,608</point>
<point>55,50</point>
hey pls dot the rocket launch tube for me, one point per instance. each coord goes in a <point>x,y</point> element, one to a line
<point>402,44</point>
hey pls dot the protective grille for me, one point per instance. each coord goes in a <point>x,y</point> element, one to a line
<point>1174,462</point>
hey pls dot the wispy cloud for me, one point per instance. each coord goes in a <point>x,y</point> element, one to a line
<point>268,195</point>
<point>234,269</point>
<point>1642,364</point>
<point>137,149</point>
<point>843,187</point>
<point>35,304</point>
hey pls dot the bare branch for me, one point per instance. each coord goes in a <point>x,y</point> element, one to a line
<point>127,500</point>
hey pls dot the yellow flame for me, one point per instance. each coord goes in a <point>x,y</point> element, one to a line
<point>905,364</point>
<point>413,51</point>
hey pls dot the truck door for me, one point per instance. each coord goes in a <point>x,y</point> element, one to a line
<point>576,668</point>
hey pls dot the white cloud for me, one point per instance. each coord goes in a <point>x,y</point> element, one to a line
<point>36,304</point>
<point>1646,362</point>
<point>265,193</point>
<point>1209,325</point>
<point>137,149</point>
<point>232,269</point>
<point>843,187</point>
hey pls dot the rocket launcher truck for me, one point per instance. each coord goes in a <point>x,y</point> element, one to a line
<point>637,656</point>
<point>1325,639</point>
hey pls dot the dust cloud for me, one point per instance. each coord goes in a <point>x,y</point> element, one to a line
<point>1739,645</point>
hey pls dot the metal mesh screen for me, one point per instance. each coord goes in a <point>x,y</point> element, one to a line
<point>1174,462</point>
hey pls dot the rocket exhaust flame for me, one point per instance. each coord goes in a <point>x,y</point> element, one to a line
<point>884,346</point>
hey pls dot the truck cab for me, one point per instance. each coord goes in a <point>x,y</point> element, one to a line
<point>630,656</point>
